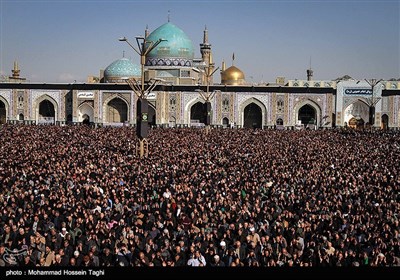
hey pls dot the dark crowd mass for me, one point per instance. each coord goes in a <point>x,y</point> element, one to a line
<point>80,196</point>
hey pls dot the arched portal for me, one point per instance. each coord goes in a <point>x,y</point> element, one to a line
<point>47,113</point>
<point>225,122</point>
<point>198,113</point>
<point>246,113</point>
<point>385,122</point>
<point>357,110</point>
<point>296,120</point>
<point>85,113</point>
<point>3,113</point>
<point>252,116</point>
<point>117,111</point>
<point>307,115</point>
<point>21,117</point>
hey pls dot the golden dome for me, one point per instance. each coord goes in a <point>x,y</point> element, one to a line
<point>232,76</point>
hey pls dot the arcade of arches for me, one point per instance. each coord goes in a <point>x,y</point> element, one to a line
<point>252,116</point>
<point>117,111</point>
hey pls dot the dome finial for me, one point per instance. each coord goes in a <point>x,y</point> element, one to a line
<point>123,54</point>
<point>233,58</point>
<point>169,14</point>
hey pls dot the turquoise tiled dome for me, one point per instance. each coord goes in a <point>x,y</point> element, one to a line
<point>121,69</point>
<point>176,51</point>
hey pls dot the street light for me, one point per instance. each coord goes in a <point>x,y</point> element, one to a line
<point>372,101</point>
<point>207,96</point>
<point>144,47</point>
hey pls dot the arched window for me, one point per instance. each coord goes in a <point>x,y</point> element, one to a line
<point>225,105</point>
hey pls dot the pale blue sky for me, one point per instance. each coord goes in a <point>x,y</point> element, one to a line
<point>63,41</point>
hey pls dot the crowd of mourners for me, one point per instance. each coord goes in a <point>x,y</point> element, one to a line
<point>80,196</point>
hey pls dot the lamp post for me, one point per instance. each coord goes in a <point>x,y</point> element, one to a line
<point>207,96</point>
<point>144,47</point>
<point>371,101</point>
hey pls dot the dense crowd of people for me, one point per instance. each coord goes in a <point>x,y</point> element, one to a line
<point>80,196</point>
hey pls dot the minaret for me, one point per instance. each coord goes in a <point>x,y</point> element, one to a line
<point>309,72</point>
<point>206,54</point>
<point>223,68</point>
<point>205,35</point>
<point>15,71</point>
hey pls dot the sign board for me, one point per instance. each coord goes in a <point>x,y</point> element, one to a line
<point>86,95</point>
<point>358,91</point>
<point>151,95</point>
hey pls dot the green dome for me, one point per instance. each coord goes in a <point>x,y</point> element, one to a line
<point>121,69</point>
<point>176,51</point>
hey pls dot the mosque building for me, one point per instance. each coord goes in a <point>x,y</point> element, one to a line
<point>175,101</point>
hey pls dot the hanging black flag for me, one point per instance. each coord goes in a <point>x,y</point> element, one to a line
<point>142,126</point>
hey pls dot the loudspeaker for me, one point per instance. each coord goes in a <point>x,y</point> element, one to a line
<point>207,107</point>
<point>142,126</point>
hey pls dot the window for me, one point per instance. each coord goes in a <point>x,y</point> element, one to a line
<point>279,106</point>
<point>172,103</point>
<point>185,73</point>
<point>20,101</point>
<point>225,104</point>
